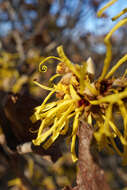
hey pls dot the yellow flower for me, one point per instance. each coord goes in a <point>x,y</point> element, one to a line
<point>99,102</point>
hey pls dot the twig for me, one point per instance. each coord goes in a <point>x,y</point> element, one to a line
<point>90,176</point>
<point>15,33</point>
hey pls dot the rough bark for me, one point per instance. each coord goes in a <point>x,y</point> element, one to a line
<point>90,175</point>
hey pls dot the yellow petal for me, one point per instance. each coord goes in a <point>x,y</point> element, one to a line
<point>67,61</point>
<point>42,86</point>
<point>113,98</point>
<point>119,14</point>
<point>73,93</point>
<point>100,12</point>
<point>74,157</point>
<point>46,59</point>
<point>116,66</point>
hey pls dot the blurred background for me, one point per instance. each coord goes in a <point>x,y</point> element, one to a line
<point>31,30</point>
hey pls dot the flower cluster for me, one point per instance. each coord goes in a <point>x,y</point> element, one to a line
<point>78,95</point>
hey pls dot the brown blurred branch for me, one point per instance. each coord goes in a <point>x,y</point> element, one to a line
<point>15,33</point>
<point>16,124</point>
<point>13,161</point>
<point>16,138</point>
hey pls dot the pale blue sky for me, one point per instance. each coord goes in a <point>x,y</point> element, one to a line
<point>92,24</point>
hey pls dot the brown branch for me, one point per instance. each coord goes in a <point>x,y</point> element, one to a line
<point>90,176</point>
<point>16,35</point>
<point>13,160</point>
